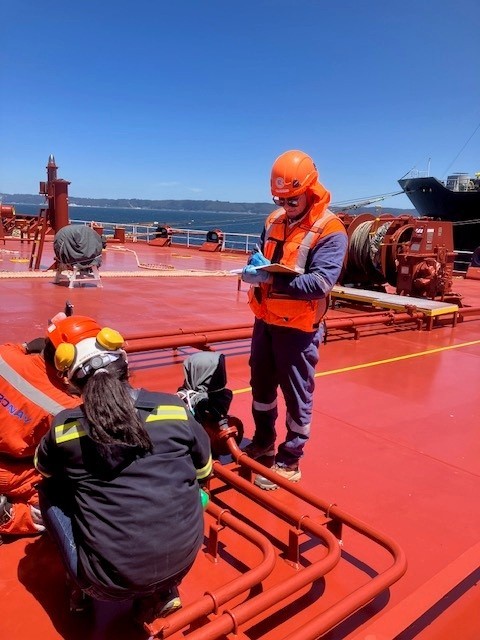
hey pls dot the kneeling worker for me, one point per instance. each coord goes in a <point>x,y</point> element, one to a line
<point>119,469</point>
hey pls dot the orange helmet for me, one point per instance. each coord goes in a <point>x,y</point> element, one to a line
<point>292,174</point>
<point>72,330</point>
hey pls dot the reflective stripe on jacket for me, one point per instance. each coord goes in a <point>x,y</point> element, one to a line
<point>297,242</point>
<point>138,518</point>
<point>28,400</point>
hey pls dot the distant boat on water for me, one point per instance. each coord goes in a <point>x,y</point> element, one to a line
<point>456,200</point>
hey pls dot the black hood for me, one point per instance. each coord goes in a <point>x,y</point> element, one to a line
<point>204,387</point>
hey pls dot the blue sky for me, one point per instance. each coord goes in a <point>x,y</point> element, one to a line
<point>194,99</point>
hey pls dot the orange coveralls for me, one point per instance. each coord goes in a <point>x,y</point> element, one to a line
<point>30,394</point>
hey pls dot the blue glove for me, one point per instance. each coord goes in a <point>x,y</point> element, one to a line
<point>257,259</point>
<point>251,275</point>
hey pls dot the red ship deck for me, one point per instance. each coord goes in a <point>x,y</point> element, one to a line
<point>395,444</point>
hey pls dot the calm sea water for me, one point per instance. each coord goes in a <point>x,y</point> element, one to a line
<point>225,221</point>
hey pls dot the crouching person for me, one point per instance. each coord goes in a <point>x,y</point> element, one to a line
<point>118,471</point>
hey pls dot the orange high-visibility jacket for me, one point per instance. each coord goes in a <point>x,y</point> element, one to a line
<point>297,242</point>
<point>30,394</point>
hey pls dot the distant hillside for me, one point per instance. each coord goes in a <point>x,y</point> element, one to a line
<point>179,205</point>
<point>135,203</point>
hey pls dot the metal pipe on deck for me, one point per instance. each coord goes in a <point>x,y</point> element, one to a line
<point>358,598</point>
<point>180,331</point>
<point>201,340</point>
<point>386,317</point>
<point>468,311</point>
<point>204,338</point>
<point>210,601</point>
<point>229,620</point>
<point>204,330</point>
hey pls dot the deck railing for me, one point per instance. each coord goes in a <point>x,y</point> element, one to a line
<point>241,242</point>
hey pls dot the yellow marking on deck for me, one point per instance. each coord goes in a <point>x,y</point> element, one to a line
<point>376,363</point>
<point>396,359</point>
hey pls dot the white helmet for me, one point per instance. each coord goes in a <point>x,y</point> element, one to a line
<point>90,354</point>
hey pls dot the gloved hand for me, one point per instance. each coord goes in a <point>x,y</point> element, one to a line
<point>37,518</point>
<point>257,259</point>
<point>253,276</point>
<point>204,498</point>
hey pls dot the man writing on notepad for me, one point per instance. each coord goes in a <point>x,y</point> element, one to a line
<point>303,235</point>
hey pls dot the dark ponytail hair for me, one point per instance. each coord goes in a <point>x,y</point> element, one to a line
<point>110,410</point>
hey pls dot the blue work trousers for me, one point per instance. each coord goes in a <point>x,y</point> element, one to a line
<point>55,509</point>
<point>285,358</point>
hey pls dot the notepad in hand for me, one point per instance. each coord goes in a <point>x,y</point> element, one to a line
<point>278,268</point>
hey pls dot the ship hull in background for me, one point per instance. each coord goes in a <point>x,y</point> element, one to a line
<point>432,198</point>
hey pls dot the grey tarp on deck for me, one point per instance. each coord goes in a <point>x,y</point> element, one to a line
<point>78,245</point>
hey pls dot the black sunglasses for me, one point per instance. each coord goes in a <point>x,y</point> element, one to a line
<point>280,202</point>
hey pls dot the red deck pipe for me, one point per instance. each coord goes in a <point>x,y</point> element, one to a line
<point>229,620</point>
<point>373,315</point>
<point>210,328</point>
<point>180,331</point>
<point>268,500</point>
<point>188,340</point>
<point>210,602</point>
<point>468,311</point>
<point>307,496</point>
<point>384,318</point>
<point>202,339</point>
<point>361,596</point>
